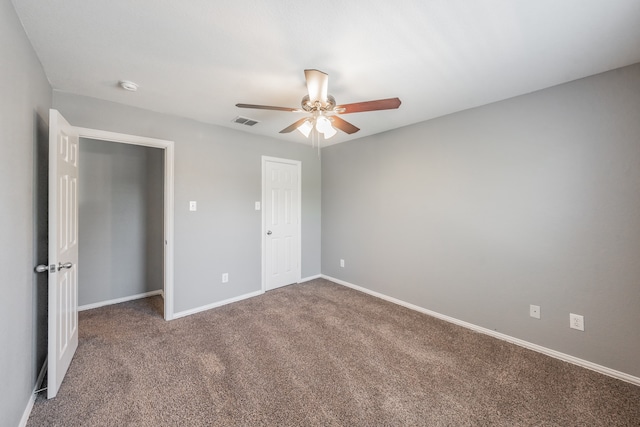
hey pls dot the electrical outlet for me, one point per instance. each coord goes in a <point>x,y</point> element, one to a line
<point>225,277</point>
<point>576,321</point>
<point>534,311</point>
<point>342,263</point>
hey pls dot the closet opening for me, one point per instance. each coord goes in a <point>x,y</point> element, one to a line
<point>125,220</point>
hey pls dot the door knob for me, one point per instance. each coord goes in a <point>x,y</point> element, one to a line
<point>65,265</point>
<point>42,268</point>
<point>269,233</point>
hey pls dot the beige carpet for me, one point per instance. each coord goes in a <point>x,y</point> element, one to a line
<point>317,354</point>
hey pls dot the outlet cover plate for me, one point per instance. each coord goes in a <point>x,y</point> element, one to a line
<point>576,321</point>
<point>534,311</point>
<point>225,277</point>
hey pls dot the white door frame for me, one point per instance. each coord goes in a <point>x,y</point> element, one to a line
<point>297,163</point>
<point>168,147</point>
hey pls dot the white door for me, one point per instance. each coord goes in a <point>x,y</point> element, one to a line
<point>63,249</point>
<point>281,188</point>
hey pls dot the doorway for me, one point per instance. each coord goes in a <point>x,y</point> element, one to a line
<point>161,269</point>
<point>120,223</point>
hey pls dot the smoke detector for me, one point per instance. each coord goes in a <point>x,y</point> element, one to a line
<point>127,85</point>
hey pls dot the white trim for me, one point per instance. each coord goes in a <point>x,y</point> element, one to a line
<point>522,343</point>
<point>123,138</point>
<point>119,300</point>
<point>168,147</point>
<point>32,400</point>
<point>168,231</point>
<point>216,304</point>
<point>27,411</point>
<point>310,278</point>
<point>263,246</point>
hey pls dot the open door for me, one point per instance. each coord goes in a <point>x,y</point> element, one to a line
<point>63,249</point>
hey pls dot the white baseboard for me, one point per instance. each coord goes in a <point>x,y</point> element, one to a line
<point>32,399</point>
<point>231,300</point>
<point>522,343</point>
<point>308,279</point>
<point>27,410</point>
<point>119,300</point>
<point>216,304</point>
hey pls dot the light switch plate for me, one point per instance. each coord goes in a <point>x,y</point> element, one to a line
<point>257,206</point>
<point>193,206</point>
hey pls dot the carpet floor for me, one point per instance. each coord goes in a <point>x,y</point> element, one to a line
<point>320,354</point>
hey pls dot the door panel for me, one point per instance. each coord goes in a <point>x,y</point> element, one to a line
<point>63,249</point>
<point>282,223</point>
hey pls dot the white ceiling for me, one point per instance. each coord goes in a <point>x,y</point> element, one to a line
<point>198,58</point>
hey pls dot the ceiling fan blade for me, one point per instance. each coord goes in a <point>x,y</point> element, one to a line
<point>358,107</point>
<point>293,126</point>
<point>317,85</point>
<point>343,125</point>
<point>266,107</point>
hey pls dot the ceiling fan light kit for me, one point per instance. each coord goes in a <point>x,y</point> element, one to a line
<point>305,128</point>
<point>324,111</point>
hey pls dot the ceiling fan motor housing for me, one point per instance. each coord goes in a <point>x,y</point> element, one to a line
<point>328,105</point>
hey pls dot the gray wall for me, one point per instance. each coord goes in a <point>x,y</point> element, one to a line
<point>476,215</point>
<point>220,169</point>
<point>120,220</point>
<point>24,103</point>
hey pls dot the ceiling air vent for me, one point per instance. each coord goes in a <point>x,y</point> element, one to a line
<point>245,121</point>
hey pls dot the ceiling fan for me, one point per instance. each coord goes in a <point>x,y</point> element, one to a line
<point>324,117</point>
